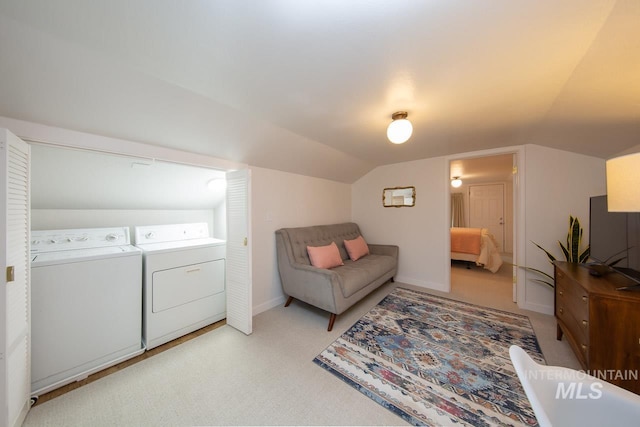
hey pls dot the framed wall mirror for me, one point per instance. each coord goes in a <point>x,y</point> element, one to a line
<point>398,197</point>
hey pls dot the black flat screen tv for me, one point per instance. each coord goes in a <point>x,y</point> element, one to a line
<point>614,235</point>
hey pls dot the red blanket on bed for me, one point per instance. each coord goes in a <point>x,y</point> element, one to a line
<point>466,240</point>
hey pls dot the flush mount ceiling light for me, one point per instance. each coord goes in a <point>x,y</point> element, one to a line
<point>400,129</point>
<point>456,182</point>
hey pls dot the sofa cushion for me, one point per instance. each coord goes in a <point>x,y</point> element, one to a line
<point>356,248</point>
<point>356,275</point>
<point>319,235</point>
<point>325,256</point>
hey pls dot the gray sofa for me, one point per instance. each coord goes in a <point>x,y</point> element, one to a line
<point>335,289</point>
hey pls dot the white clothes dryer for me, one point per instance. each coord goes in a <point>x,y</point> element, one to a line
<point>183,280</point>
<point>86,303</point>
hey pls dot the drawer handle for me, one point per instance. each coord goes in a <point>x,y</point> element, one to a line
<point>560,293</point>
<point>584,298</point>
<point>561,310</point>
<point>193,270</point>
<point>584,323</point>
<point>584,347</point>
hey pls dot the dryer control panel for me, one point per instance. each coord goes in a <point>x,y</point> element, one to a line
<point>81,238</point>
<point>170,233</point>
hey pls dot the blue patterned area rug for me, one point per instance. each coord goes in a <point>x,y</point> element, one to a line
<point>435,361</point>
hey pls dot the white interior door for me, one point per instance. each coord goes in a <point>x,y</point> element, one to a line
<point>486,210</point>
<point>238,271</point>
<point>15,334</point>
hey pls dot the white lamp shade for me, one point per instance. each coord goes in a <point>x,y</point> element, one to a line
<point>455,183</point>
<point>399,131</point>
<point>623,183</point>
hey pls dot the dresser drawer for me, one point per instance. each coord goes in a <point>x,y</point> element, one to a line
<point>572,299</point>
<point>572,312</point>
<point>600,322</point>
<point>576,331</point>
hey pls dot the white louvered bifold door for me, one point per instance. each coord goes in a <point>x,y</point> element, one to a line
<point>15,359</point>
<point>238,264</point>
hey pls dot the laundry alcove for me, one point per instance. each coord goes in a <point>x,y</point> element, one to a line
<point>87,189</point>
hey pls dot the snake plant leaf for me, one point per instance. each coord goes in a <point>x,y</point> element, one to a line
<point>565,251</point>
<point>575,234</point>
<point>571,251</point>
<point>535,270</point>
<point>549,255</point>
<point>544,282</point>
<point>584,256</point>
<point>612,263</point>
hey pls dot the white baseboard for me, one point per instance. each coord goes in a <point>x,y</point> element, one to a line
<point>268,305</point>
<point>421,283</point>
<point>539,308</point>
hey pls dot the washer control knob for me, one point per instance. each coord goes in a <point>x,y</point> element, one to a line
<point>112,237</point>
<point>150,235</point>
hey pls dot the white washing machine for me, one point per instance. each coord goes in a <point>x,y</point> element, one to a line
<point>183,280</point>
<point>86,303</point>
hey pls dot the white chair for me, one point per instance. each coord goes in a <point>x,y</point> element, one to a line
<point>564,397</point>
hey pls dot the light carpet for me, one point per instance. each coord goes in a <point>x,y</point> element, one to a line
<point>435,361</point>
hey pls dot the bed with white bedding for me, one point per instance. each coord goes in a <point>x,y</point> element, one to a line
<point>475,245</point>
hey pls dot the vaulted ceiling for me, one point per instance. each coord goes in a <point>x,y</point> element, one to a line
<point>309,86</point>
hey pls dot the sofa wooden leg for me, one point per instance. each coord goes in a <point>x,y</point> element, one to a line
<point>332,319</point>
<point>392,280</point>
<point>288,301</point>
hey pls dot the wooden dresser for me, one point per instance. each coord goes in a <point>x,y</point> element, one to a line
<point>601,323</point>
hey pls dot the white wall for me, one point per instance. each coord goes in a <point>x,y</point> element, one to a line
<point>557,184</point>
<point>419,231</point>
<point>220,221</point>
<point>36,132</point>
<point>281,200</point>
<point>278,200</point>
<point>58,219</point>
<point>80,179</point>
<point>73,188</point>
<point>508,217</point>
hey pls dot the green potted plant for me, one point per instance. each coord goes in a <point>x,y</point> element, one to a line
<point>571,251</point>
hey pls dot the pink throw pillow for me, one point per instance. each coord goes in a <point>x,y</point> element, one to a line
<point>325,256</point>
<point>356,248</point>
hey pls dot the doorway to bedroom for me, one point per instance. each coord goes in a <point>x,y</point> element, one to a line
<point>482,229</point>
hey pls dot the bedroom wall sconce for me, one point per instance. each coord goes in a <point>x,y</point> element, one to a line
<point>623,183</point>
<point>400,129</point>
<point>456,182</point>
